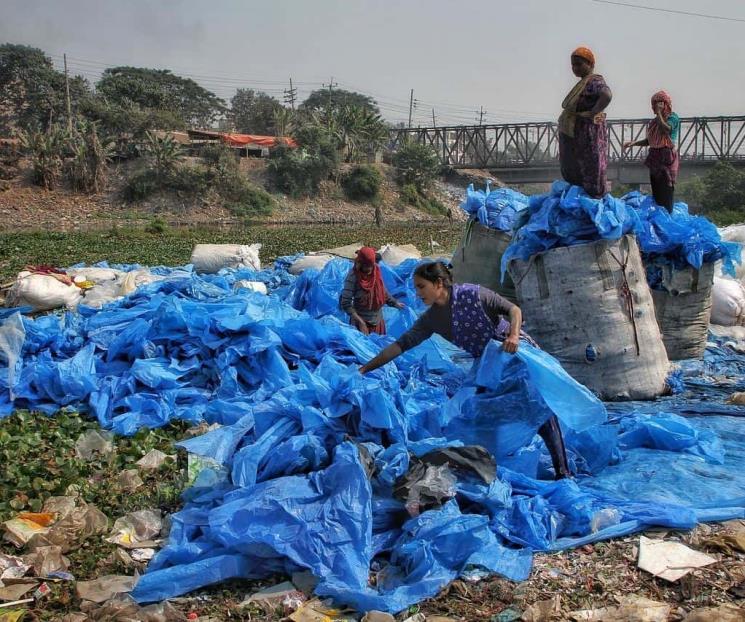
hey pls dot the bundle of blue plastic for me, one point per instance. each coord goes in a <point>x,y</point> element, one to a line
<point>498,209</point>
<point>309,451</point>
<point>567,215</point>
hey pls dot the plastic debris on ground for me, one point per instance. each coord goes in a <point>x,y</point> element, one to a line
<point>670,560</point>
<point>303,453</point>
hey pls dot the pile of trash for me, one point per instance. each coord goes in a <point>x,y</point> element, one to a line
<point>497,209</point>
<point>385,486</point>
<point>567,215</point>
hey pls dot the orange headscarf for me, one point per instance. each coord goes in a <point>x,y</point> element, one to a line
<point>585,53</point>
<point>662,96</point>
<point>655,135</point>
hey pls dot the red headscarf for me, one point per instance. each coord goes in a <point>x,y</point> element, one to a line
<point>656,137</point>
<point>371,283</point>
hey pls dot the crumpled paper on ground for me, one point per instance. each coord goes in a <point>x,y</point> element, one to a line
<point>104,588</point>
<point>669,560</point>
<point>137,530</point>
<point>630,609</point>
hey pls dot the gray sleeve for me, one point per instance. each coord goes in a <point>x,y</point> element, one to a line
<point>346,300</point>
<point>494,305</point>
<point>420,331</point>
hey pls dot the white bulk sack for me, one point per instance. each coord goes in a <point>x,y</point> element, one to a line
<point>728,303</point>
<point>211,258</point>
<point>96,275</point>
<point>394,255</point>
<point>316,262</point>
<point>255,286</point>
<point>42,292</point>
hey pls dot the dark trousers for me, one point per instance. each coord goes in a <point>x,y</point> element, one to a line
<point>662,192</point>
<point>550,432</point>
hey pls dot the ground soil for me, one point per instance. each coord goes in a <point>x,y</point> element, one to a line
<point>24,206</point>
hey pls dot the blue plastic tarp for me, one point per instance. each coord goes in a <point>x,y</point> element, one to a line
<point>307,450</point>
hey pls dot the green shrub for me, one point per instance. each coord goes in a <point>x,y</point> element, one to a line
<point>245,199</point>
<point>424,201</point>
<point>416,164</point>
<point>300,171</point>
<point>157,226</point>
<point>46,150</point>
<point>189,180</point>
<point>410,195</point>
<point>362,183</point>
<point>141,185</point>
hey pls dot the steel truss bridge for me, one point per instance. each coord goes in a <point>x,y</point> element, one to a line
<point>527,152</point>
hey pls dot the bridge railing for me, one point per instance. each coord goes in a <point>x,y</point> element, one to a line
<point>535,144</point>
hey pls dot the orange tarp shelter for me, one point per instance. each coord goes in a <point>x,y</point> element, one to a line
<point>245,140</point>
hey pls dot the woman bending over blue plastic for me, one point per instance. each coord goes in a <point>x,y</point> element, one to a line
<point>468,316</point>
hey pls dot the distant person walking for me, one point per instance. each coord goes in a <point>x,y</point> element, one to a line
<point>662,158</point>
<point>583,134</point>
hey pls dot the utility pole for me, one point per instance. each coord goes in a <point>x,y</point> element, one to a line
<point>434,123</point>
<point>67,95</point>
<point>411,106</point>
<point>481,116</point>
<point>291,95</point>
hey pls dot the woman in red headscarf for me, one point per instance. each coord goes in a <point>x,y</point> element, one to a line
<point>364,294</point>
<point>662,157</point>
<point>583,135</point>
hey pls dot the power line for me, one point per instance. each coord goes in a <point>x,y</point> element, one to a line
<point>676,11</point>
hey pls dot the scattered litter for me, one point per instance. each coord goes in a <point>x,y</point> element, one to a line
<point>507,615</point>
<point>73,522</point>
<point>723,613</point>
<point>92,442</point>
<point>284,595</point>
<point>669,560</point>
<point>104,588</point>
<point>730,540</point>
<point>629,609</point>
<point>42,591</point>
<point>543,610</point>
<point>123,607</point>
<point>12,567</point>
<point>17,590</point>
<point>137,530</point>
<point>47,560</point>
<point>153,459</point>
<point>142,555</point>
<point>25,525</point>
<point>737,398</point>
<point>417,617</point>
<point>129,480</point>
<point>16,615</point>
<point>319,611</point>
<point>377,616</point>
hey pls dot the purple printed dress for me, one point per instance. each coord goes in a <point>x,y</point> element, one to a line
<point>584,157</point>
<point>472,328</point>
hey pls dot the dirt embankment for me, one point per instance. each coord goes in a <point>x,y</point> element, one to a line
<point>24,206</point>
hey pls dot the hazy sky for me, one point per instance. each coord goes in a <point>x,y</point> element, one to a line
<point>511,57</point>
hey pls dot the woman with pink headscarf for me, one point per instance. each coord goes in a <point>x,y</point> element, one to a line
<point>662,157</point>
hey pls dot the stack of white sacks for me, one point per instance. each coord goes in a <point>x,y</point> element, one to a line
<point>728,294</point>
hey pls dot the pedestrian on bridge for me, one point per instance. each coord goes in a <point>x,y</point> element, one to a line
<point>662,157</point>
<point>583,134</point>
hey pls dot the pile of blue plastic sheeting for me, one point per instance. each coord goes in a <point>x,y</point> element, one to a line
<point>567,215</point>
<point>497,209</point>
<point>308,451</point>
